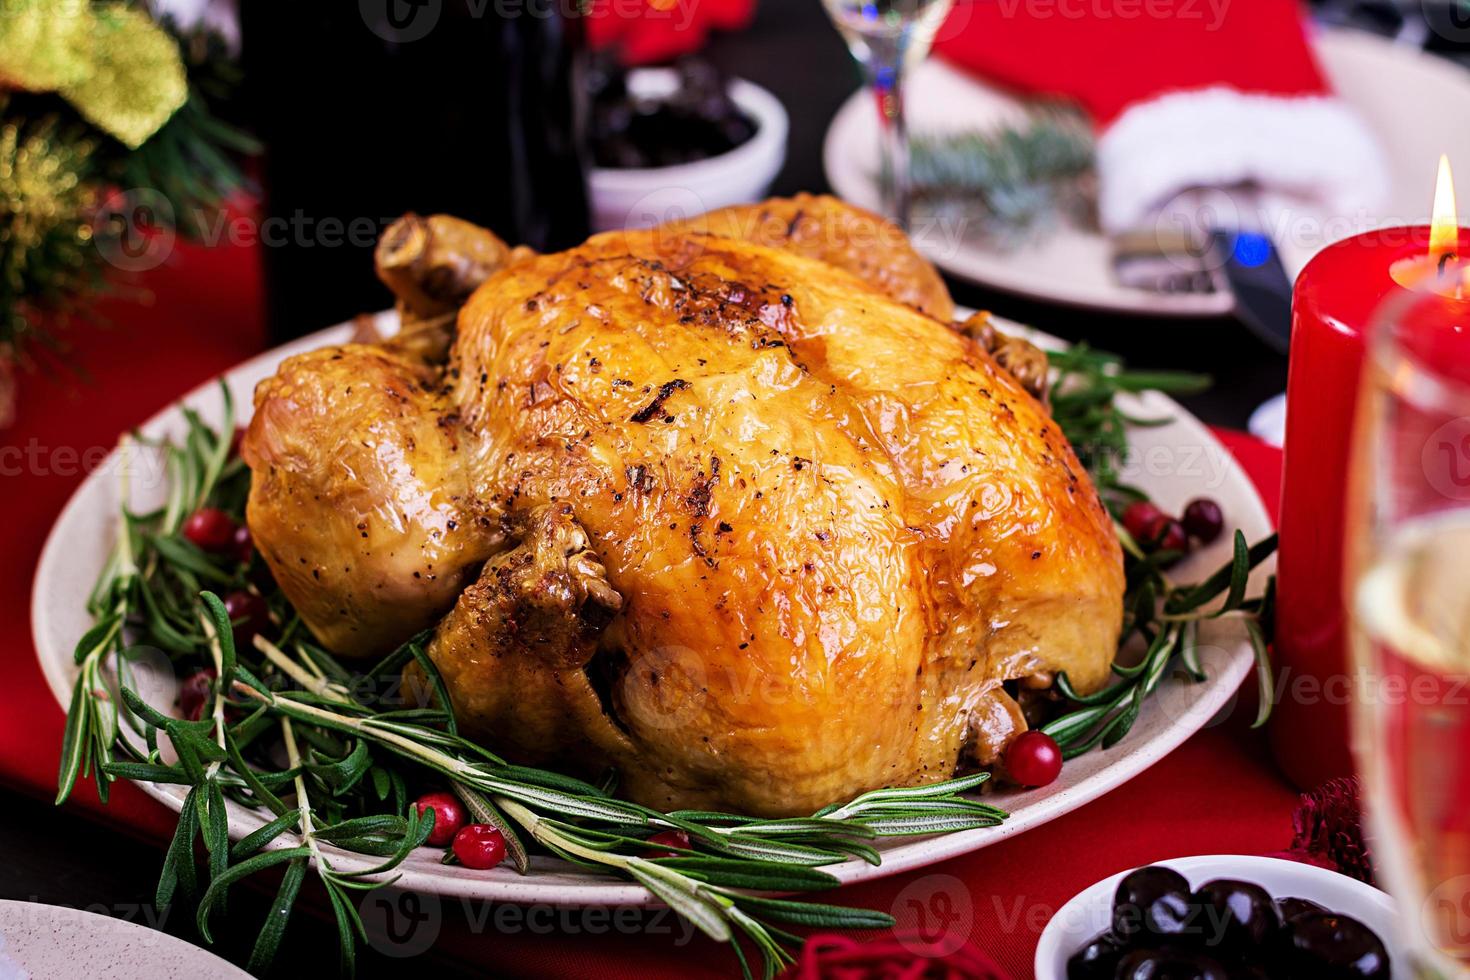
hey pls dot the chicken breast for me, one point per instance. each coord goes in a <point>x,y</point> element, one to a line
<point>820,226</point>
<point>769,538</point>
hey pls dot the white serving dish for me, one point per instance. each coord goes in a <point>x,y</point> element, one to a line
<point>1090,911</point>
<point>644,197</point>
<point>1173,463</point>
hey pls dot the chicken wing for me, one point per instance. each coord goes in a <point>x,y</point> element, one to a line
<point>360,499</point>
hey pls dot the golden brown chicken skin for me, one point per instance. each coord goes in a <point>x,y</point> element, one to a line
<point>360,501</point>
<point>738,523</point>
<point>823,227</point>
<point>835,525</point>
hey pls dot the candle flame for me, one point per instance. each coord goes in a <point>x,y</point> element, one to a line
<point>1444,227</point>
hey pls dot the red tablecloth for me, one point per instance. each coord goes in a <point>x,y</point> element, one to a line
<point>1218,793</point>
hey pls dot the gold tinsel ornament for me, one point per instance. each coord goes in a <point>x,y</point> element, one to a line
<point>117,68</point>
<point>45,221</point>
<point>96,100</point>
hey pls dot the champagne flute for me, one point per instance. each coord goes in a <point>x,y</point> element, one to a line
<point>887,37</point>
<point>1409,579</point>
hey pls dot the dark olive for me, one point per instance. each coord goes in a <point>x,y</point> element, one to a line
<point>1169,964</point>
<point>696,121</point>
<point>1098,960</point>
<point>1234,916</point>
<point>1290,908</point>
<point>1151,901</point>
<point>1329,946</point>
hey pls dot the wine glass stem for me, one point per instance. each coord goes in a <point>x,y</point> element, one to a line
<point>886,78</point>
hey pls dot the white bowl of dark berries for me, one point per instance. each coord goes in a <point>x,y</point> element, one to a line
<point>1222,917</point>
<point>671,143</point>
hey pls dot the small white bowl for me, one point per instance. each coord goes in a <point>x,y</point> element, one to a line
<point>644,197</point>
<point>1090,911</point>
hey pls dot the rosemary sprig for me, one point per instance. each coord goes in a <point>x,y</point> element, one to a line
<point>1083,403</point>
<point>1162,617</point>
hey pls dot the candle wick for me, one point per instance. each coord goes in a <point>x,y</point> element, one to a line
<point>1445,260</point>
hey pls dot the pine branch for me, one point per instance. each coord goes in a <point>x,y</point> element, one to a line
<point>1015,179</point>
<point>54,171</point>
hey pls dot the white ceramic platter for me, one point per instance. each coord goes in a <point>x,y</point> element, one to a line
<point>1409,99</point>
<point>1173,463</point>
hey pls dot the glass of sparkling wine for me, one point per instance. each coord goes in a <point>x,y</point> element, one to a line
<point>1409,581</point>
<point>887,37</point>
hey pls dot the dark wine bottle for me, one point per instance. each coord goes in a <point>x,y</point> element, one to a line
<point>370,109</point>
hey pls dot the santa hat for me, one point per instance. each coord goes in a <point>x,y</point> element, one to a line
<point>1184,93</point>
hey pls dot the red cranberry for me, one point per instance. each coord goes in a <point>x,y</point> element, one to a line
<point>479,846</point>
<point>1033,759</point>
<point>195,692</point>
<point>1138,517</point>
<point>211,529</point>
<point>1203,519</point>
<point>667,838</point>
<point>1165,534</point>
<point>449,816</point>
<point>250,614</point>
<point>243,544</point>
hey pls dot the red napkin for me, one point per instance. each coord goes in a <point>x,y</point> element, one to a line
<point>646,31</point>
<point>1184,93</point>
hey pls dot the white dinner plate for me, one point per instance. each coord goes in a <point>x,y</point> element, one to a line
<point>1414,102</point>
<point>43,942</point>
<point>1173,463</point>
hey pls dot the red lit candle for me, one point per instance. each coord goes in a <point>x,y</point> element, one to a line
<point>1337,296</point>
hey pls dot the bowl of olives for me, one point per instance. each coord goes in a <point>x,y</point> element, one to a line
<point>1221,917</point>
<point>671,143</point>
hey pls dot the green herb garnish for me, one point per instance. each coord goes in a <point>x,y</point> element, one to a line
<point>1161,616</point>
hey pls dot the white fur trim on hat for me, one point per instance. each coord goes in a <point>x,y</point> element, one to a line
<point>1311,147</point>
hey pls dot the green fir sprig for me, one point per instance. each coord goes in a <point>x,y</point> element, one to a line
<point>60,217</point>
<point>1011,181</point>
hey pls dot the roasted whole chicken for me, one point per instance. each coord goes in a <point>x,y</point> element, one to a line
<point>728,505</point>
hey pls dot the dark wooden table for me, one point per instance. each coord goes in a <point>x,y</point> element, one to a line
<point>55,857</point>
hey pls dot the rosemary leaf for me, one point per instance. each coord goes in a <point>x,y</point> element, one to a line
<point>74,741</point>
<point>1265,678</point>
<point>815,915</point>
<point>670,888</point>
<point>486,812</point>
<point>257,839</point>
<point>178,872</point>
<point>264,952</point>
<point>762,875</point>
